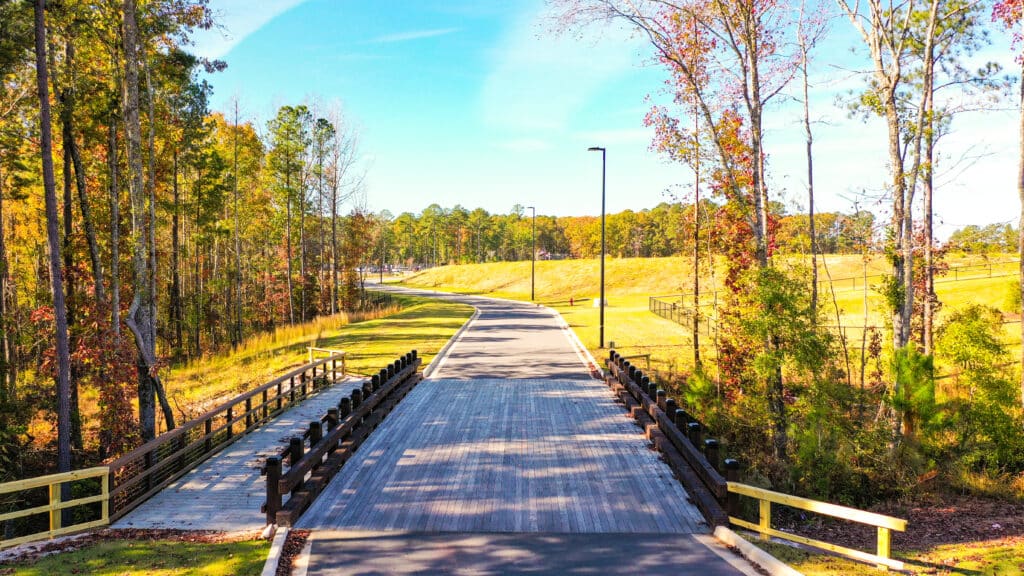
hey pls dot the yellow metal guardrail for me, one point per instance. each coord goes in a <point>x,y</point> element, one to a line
<point>885,524</point>
<point>56,505</point>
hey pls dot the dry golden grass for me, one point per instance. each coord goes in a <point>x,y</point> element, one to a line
<point>984,279</point>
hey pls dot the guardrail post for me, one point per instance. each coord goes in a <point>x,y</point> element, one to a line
<point>302,383</point>
<point>207,431</point>
<point>732,474</point>
<point>279,396</point>
<point>694,432</point>
<point>273,488</point>
<point>660,396</point>
<point>295,452</point>
<point>56,522</point>
<point>711,453</point>
<point>357,398</point>
<point>344,407</point>
<point>367,389</point>
<point>228,421</point>
<point>884,548</point>
<point>316,432</point>
<point>332,418</point>
<point>147,460</point>
<point>264,403</point>
<point>681,419</point>
<point>291,390</point>
<point>375,382</point>
<point>670,409</point>
<point>764,520</point>
<point>248,413</point>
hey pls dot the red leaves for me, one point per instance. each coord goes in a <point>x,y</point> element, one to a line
<point>1011,14</point>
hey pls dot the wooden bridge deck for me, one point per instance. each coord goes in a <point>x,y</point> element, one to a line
<point>504,455</point>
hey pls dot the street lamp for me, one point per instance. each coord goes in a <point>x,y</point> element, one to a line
<point>533,257</point>
<point>604,156</point>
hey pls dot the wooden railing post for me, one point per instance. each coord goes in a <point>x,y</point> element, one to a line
<point>694,433</point>
<point>295,451</point>
<point>291,390</point>
<point>265,408</point>
<point>207,430</point>
<point>56,522</point>
<point>248,413</point>
<point>228,421</point>
<point>884,546</point>
<point>764,520</point>
<point>670,409</point>
<point>732,474</point>
<point>273,488</point>
<point>316,432</point>
<point>711,453</point>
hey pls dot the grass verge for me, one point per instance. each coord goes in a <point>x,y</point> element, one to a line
<point>1002,557</point>
<point>370,342</point>
<point>153,558</point>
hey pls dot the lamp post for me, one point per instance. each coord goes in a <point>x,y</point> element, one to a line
<point>533,256</point>
<point>604,156</point>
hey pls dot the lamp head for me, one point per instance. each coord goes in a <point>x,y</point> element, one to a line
<point>595,149</point>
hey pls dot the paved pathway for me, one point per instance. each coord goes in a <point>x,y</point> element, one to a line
<point>225,492</point>
<point>509,459</point>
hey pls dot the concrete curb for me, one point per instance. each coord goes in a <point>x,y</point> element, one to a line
<point>274,556</point>
<point>755,555</point>
<point>442,355</point>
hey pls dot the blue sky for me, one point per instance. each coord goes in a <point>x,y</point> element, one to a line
<point>476,102</point>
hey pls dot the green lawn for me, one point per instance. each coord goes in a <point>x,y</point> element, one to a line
<point>153,558</point>
<point>989,558</point>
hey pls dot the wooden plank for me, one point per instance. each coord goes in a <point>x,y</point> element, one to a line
<point>849,552</point>
<point>40,481</point>
<point>818,507</point>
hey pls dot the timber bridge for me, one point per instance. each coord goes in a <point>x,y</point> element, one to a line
<point>510,453</point>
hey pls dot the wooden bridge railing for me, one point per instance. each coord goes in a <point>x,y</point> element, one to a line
<point>56,506</point>
<point>131,479</point>
<point>679,435</point>
<point>316,456</point>
<point>146,470</point>
<point>763,526</point>
<point>680,431</point>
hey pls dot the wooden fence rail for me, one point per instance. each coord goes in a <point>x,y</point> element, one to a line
<point>884,524</point>
<point>56,505</point>
<point>682,434</point>
<point>138,475</point>
<point>316,456</point>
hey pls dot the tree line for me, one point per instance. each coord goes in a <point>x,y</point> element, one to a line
<point>457,235</point>
<point>138,228</point>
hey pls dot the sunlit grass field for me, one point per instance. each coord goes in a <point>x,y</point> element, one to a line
<point>629,282</point>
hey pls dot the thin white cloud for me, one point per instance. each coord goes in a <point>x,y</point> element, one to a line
<point>538,80</point>
<point>412,35</point>
<point>524,145</point>
<point>236,20</point>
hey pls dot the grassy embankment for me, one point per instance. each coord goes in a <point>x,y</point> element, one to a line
<point>370,342</point>
<point>630,282</point>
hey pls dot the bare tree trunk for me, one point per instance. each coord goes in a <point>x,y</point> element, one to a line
<point>53,243</point>
<point>69,281</point>
<point>302,248</point>
<point>288,240</point>
<point>236,338</point>
<point>804,49</point>
<point>8,363</point>
<point>140,315</point>
<point>175,311</point>
<point>115,223</point>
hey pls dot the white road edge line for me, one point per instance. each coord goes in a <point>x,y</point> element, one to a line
<point>581,351</point>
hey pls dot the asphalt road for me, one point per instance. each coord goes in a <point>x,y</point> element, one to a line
<point>509,459</point>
